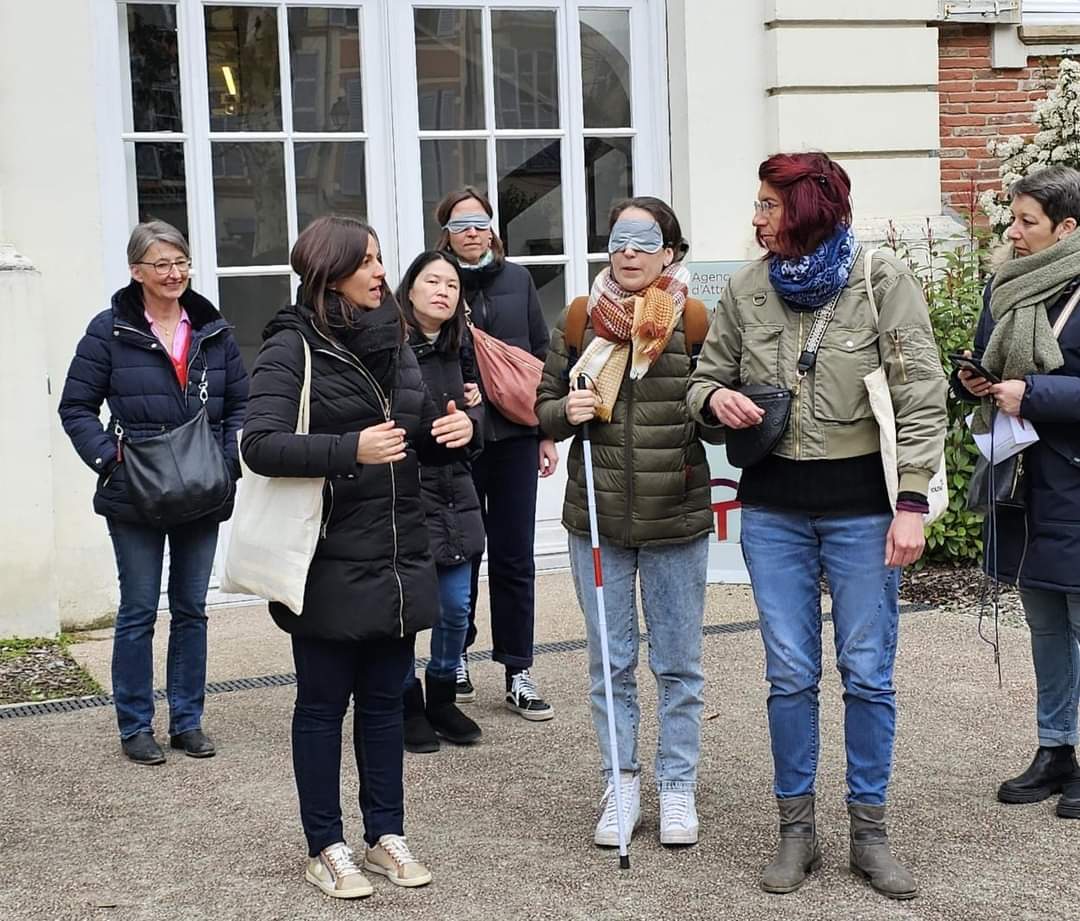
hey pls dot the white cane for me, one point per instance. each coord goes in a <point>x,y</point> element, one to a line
<point>598,572</point>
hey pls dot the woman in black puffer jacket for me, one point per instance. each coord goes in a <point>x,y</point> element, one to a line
<point>430,298</point>
<point>151,356</point>
<point>371,585</point>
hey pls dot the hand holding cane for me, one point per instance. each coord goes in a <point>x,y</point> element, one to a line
<point>594,534</point>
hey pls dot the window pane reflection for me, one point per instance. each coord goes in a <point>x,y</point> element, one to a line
<point>249,303</point>
<point>550,281</point>
<point>324,58</point>
<point>449,69</point>
<point>249,203</point>
<point>609,176</point>
<point>161,190</point>
<point>526,69</point>
<point>242,68</point>
<point>605,68</point>
<point>330,178</point>
<point>530,196</point>
<point>445,166</point>
<point>155,67</point>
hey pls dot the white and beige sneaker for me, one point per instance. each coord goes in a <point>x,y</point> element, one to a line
<point>392,858</point>
<point>335,872</point>
<point>607,828</point>
<point>678,817</point>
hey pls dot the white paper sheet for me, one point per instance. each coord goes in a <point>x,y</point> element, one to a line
<point>1011,434</point>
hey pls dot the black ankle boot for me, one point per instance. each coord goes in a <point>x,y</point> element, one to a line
<point>1047,774</point>
<point>1068,806</point>
<point>444,716</point>
<point>420,738</point>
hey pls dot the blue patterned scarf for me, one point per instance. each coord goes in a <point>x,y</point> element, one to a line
<point>810,281</point>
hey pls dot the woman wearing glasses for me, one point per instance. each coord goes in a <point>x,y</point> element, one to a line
<point>652,491</point>
<point>817,501</point>
<point>502,301</point>
<point>152,356</point>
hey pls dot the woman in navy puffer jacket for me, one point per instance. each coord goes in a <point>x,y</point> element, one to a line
<point>148,355</point>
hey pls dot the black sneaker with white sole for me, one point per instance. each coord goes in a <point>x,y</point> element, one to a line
<point>523,697</point>
<point>464,690</point>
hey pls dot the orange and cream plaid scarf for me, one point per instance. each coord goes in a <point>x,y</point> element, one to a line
<point>631,328</point>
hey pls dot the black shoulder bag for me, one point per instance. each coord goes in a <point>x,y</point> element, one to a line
<point>748,446</point>
<point>179,475</point>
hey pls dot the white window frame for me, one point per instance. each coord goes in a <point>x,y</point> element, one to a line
<point>649,115</point>
<point>116,150</point>
<point>1050,13</point>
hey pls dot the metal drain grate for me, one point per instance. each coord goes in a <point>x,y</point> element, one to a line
<point>70,704</point>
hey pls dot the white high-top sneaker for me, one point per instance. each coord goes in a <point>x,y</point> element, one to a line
<point>678,817</point>
<point>607,829</point>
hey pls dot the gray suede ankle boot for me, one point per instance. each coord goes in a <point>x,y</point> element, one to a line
<point>799,851</point>
<point>870,856</point>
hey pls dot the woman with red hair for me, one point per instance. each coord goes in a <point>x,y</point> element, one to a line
<point>807,324</point>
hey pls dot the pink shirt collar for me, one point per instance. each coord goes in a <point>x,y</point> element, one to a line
<point>180,337</point>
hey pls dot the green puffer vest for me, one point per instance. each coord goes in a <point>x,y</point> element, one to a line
<point>651,478</point>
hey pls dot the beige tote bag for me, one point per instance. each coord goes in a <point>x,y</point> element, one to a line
<point>877,389</point>
<point>275,526</point>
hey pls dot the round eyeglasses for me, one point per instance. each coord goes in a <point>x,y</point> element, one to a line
<point>163,267</point>
<point>764,207</point>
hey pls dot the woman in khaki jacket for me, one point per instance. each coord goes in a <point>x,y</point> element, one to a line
<point>818,502</point>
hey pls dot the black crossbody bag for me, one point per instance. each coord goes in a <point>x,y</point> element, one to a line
<point>179,475</point>
<point>748,446</point>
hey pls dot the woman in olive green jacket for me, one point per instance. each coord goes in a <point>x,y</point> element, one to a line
<point>819,502</point>
<point>652,491</point>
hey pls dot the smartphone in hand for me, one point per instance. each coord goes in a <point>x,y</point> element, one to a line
<point>967,363</point>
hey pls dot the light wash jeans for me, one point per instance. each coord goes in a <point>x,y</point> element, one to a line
<point>786,552</point>
<point>673,600</point>
<point>1054,619</point>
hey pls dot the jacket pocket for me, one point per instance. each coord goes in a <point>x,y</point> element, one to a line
<point>759,362</point>
<point>845,357</point>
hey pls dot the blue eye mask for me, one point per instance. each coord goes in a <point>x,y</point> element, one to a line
<point>644,236</point>
<point>479,220</point>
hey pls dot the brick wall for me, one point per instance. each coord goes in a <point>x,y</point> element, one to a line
<point>978,102</point>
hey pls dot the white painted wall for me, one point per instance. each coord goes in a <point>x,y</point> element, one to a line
<point>28,604</point>
<point>53,214</point>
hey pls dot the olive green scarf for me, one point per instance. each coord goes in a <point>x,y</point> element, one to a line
<point>1023,341</point>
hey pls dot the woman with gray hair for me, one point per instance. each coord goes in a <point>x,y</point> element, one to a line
<point>163,359</point>
<point>1028,339</point>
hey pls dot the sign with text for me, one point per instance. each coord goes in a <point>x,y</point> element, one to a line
<point>707,283</point>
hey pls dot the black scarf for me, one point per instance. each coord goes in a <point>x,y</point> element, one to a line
<point>373,336</point>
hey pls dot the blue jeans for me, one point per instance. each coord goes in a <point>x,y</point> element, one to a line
<point>448,635</point>
<point>673,600</point>
<point>139,551</point>
<point>328,673</point>
<point>785,553</point>
<point>1054,619</point>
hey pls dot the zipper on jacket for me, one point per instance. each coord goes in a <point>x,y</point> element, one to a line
<point>386,406</point>
<point>1023,553</point>
<point>330,511</point>
<point>900,354</point>
<point>798,396</point>
<point>628,460</point>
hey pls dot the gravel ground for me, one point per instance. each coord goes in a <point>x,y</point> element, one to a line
<point>41,670</point>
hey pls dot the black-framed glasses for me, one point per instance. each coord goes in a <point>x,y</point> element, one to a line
<point>164,266</point>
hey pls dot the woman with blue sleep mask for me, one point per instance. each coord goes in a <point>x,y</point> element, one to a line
<point>643,236</point>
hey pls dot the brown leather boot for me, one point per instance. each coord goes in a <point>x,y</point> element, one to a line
<point>800,852</point>
<point>870,855</point>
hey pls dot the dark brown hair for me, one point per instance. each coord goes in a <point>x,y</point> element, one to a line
<point>815,192</point>
<point>329,249</point>
<point>665,217</point>
<point>455,326</point>
<point>450,201</point>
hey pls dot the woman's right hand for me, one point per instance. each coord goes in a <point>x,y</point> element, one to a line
<point>735,410</point>
<point>581,405</point>
<point>381,444</point>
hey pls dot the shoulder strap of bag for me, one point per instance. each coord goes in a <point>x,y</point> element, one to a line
<point>303,415</point>
<point>695,324</point>
<point>1066,313</point>
<point>822,319</point>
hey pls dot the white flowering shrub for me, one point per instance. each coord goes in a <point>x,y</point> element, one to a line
<point>1057,118</point>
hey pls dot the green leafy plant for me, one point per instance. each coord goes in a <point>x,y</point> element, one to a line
<point>952,278</point>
